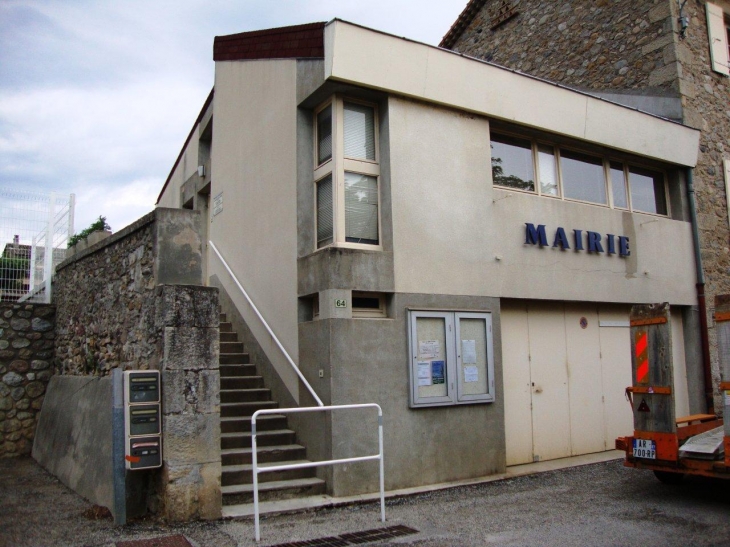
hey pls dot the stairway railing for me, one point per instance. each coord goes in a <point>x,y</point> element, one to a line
<point>255,469</point>
<point>266,325</point>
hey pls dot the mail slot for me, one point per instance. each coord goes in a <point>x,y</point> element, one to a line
<point>143,419</point>
<point>141,386</point>
<point>144,452</point>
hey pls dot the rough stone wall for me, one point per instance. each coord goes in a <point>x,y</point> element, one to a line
<point>26,353</point>
<point>591,44</point>
<point>631,45</point>
<point>135,301</point>
<point>106,301</point>
<point>706,105</point>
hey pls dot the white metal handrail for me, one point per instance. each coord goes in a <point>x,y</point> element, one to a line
<point>268,328</point>
<point>255,469</point>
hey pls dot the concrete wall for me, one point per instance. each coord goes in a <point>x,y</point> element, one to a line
<point>634,46</point>
<point>254,140</point>
<point>455,234</point>
<point>74,442</point>
<point>366,360</point>
<point>356,56</point>
<point>26,356</point>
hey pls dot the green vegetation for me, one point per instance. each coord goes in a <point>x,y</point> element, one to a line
<point>99,225</point>
<point>12,273</point>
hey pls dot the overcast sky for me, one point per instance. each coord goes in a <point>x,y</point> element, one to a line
<point>98,96</point>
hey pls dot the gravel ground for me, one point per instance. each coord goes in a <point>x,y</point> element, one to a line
<point>599,504</point>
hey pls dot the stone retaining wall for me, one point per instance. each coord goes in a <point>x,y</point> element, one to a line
<point>136,301</point>
<point>26,353</point>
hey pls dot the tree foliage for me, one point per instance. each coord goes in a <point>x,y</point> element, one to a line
<point>97,226</point>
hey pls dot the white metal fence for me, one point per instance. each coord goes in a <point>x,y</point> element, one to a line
<point>34,232</point>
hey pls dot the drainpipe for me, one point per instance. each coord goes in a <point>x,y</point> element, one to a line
<point>704,336</point>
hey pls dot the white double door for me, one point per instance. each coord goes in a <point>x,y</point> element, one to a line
<point>564,379</point>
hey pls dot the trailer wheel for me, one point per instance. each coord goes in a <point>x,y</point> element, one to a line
<point>667,477</point>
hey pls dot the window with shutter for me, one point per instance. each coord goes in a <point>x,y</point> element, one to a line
<point>719,35</point>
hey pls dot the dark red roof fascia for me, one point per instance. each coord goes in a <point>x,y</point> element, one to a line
<point>207,103</point>
<point>296,42</point>
<point>462,23</point>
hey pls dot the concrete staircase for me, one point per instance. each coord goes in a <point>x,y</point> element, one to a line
<point>243,393</point>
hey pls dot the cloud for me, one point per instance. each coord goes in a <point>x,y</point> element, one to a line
<point>97,98</point>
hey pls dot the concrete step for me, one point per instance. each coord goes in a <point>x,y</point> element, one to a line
<point>231,347</point>
<point>242,474</point>
<point>233,358</point>
<point>274,490</point>
<point>296,505</point>
<point>242,382</point>
<point>245,395</point>
<point>242,456</point>
<point>274,437</point>
<point>245,409</point>
<point>228,337</point>
<point>242,424</point>
<point>228,371</point>
<point>225,326</point>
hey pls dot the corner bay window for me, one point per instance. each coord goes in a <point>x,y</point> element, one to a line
<point>346,174</point>
<point>548,170</point>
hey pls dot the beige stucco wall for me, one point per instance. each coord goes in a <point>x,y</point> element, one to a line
<point>254,139</point>
<point>372,59</point>
<point>454,234</point>
<point>185,168</point>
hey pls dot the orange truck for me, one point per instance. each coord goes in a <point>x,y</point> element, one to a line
<point>673,447</point>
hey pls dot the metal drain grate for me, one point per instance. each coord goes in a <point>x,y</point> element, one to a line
<point>167,541</point>
<point>354,538</point>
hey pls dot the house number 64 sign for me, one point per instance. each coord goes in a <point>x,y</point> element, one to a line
<point>340,303</point>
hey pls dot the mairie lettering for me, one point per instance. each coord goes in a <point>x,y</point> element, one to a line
<point>593,242</point>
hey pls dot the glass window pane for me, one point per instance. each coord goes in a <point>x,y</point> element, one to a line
<point>473,334</point>
<point>618,185</point>
<point>548,170</point>
<point>647,191</point>
<point>359,132</point>
<point>431,357</point>
<point>583,177</point>
<point>512,163</point>
<point>361,208</point>
<point>324,135</point>
<point>325,233</point>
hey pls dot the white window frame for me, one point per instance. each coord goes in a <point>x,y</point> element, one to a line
<point>337,166</point>
<point>536,143</point>
<point>452,355</point>
<point>717,32</point>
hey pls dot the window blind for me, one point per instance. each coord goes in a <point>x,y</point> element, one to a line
<point>325,233</point>
<point>359,132</point>
<point>361,208</point>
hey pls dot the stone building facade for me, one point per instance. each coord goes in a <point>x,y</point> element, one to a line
<point>635,52</point>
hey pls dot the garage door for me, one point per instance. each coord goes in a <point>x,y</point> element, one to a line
<point>566,367</point>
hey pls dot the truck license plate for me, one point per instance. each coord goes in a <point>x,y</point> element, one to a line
<point>644,448</point>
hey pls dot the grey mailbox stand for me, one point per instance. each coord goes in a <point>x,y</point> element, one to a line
<point>136,430</point>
